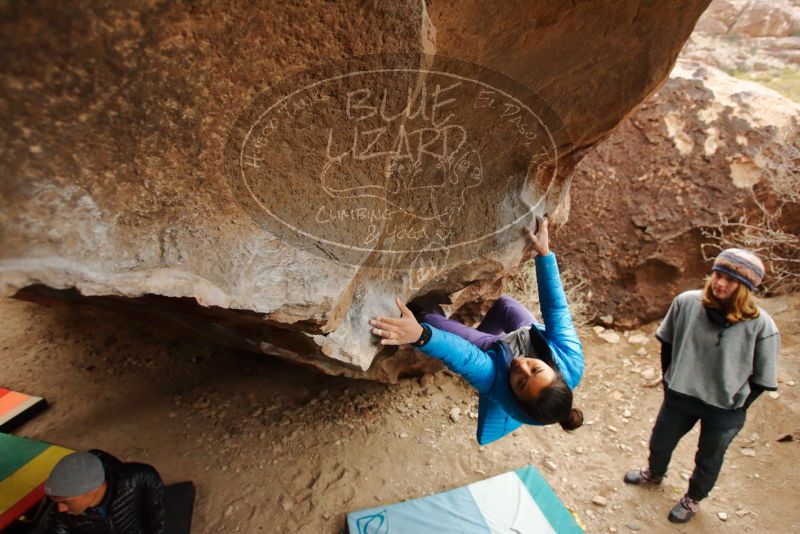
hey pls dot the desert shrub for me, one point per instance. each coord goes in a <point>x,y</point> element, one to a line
<point>764,230</point>
<point>785,81</point>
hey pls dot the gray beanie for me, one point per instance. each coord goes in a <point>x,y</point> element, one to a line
<point>75,474</point>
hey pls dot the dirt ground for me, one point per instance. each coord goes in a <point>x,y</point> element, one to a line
<point>275,448</point>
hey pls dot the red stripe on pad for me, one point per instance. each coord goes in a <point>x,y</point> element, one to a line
<point>11,400</point>
<point>22,506</point>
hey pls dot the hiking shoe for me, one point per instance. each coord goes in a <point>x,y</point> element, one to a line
<point>684,510</point>
<point>640,477</point>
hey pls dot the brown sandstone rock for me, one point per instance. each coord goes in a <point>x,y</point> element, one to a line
<point>700,150</point>
<point>768,18</point>
<point>747,35</point>
<point>751,18</point>
<point>118,190</point>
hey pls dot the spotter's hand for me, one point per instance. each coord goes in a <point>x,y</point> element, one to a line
<point>397,331</point>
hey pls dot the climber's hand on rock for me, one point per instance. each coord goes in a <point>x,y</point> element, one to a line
<point>397,331</point>
<point>540,241</point>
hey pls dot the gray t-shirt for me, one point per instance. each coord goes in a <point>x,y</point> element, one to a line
<point>715,363</point>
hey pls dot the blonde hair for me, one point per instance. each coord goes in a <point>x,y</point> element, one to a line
<point>740,307</point>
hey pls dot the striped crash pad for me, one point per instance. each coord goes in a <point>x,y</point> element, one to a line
<point>15,407</point>
<point>519,501</point>
<point>24,466</point>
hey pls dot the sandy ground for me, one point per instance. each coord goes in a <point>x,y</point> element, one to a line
<point>276,448</point>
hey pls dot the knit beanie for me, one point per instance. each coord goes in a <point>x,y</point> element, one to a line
<point>743,265</point>
<point>75,474</point>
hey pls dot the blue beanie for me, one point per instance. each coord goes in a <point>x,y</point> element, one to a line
<point>741,264</point>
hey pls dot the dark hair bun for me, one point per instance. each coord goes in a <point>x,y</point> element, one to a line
<point>573,420</point>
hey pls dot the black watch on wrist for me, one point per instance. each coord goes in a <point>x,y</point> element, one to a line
<point>424,337</point>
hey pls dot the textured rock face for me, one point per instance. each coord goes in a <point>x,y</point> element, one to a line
<point>752,18</point>
<point>750,35</point>
<point>118,188</point>
<point>701,150</point>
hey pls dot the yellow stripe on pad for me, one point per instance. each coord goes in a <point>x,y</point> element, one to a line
<point>26,478</point>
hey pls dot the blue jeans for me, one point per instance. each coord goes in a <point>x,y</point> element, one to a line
<point>718,427</point>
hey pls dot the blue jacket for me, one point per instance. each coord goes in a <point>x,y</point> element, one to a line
<point>498,412</point>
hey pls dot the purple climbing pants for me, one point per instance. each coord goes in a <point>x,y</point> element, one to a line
<point>505,315</point>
